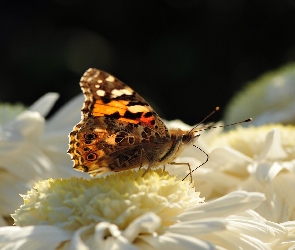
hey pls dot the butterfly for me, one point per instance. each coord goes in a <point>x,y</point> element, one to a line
<point>119,130</point>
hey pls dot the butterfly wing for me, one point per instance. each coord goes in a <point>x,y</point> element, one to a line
<point>117,129</point>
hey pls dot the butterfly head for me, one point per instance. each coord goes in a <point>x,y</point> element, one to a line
<point>190,137</point>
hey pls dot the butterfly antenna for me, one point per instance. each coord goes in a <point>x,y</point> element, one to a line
<point>226,125</point>
<point>221,126</point>
<point>216,109</point>
<point>207,156</point>
<point>207,159</point>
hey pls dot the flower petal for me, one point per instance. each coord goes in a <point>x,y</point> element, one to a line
<point>229,159</point>
<point>71,110</point>
<point>265,172</point>
<point>105,236</point>
<point>147,223</point>
<point>172,241</point>
<point>9,197</point>
<point>44,104</point>
<point>266,231</point>
<point>27,125</point>
<point>279,204</point>
<point>234,202</point>
<point>287,242</point>
<point>198,227</point>
<point>32,237</point>
<point>272,149</point>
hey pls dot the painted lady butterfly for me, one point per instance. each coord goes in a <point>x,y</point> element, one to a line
<point>120,130</point>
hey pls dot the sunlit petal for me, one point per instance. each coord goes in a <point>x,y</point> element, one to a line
<point>44,104</point>
<point>31,237</point>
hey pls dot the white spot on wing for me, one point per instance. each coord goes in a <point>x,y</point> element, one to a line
<point>127,91</point>
<point>118,92</point>
<point>110,79</point>
<point>97,86</point>
<point>97,74</point>
<point>138,108</point>
<point>100,92</point>
<point>115,93</point>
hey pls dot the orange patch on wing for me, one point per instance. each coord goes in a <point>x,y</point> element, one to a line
<point>128,120</point>
<point>102,109</point>
<point>150,121</point>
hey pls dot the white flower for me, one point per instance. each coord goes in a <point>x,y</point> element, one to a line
<point>269,99</point>
<point>257,159</point>
<point>128,211</point>
<point>32,149</point>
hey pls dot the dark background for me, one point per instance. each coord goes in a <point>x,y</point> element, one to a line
<point>184,56</point>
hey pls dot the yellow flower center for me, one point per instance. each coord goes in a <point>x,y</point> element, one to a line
<point>251,140</point>
<point>119,198</point>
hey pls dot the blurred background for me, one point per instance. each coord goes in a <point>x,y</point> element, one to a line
<point>183,56</point>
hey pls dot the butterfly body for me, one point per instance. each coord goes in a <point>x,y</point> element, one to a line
<point>119,130</point>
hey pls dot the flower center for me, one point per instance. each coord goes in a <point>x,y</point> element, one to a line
<point>119,198</point>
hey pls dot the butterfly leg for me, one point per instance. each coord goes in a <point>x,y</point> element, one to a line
<point>149,160</point>
<point>148,168</point>
<point>184,163</point>
<point>142,154</point>
<point>141,158</point>
<point>164,168</point>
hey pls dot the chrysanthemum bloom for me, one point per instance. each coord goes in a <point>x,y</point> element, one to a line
<point>260,159</point>
<point>128,211</point>
<point>31,148</point>
<point>269,99</point>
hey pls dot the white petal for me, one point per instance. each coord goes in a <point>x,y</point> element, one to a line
<point>290,166</point>
<point>265,172</point>
<point>231,203</point>
<point>32,237</point>
<point>279,192</point>
<point>66,117</point>
<point>172,241</point>
<point>229,159</point>
<point>265,231</point>
<point>214,184</point>
<point>10,188</point>
<point>234,240</point>
<point>288,242</point>
<point>44,104</point>
<point>272,149</point>
<point>147,223</point>
<point>290,225</point>
<point>29,164</point>
<point>198,227</point>
<point>27,125</point>
<point>102,236</point>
